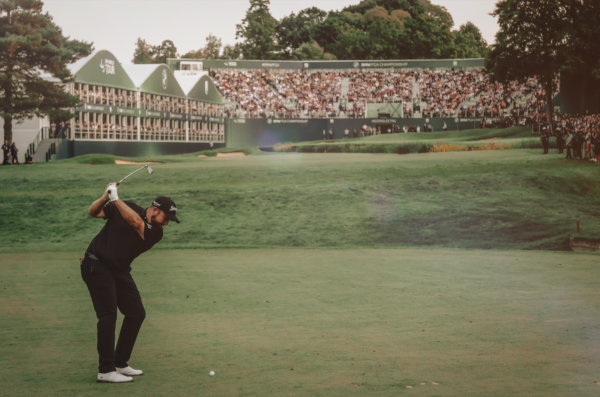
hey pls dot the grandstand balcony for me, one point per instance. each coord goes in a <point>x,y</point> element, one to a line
<point>143,103</point>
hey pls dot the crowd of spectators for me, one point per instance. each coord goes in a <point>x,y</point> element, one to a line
<point>380,87</point>
<point>443,91</point>
<point>313,94</point>
<point>251,92</point>
<point>440,93</point>
<point>106,97</point>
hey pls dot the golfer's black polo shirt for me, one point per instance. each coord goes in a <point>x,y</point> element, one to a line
<point>118,244</point>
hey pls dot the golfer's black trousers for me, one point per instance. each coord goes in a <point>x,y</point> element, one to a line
<point>111,290</point>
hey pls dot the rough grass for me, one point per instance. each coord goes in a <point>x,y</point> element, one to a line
<point>314,322</point>
<point>410,143</point>
<point>510,199</point>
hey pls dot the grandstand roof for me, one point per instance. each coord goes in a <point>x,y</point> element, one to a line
<point>155,79</point>
<point>200,88</point>
<point>101,68</point>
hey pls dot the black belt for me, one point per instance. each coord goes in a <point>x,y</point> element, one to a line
<point>91,256</point>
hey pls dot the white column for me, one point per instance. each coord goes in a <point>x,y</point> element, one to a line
<point>72,123</point>
<point>137,101</point>
<point>187,122</point>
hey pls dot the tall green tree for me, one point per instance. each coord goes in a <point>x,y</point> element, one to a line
<point>160,53</point>
<point>295,30</point>
<point>141,54</point>
<point>32,44</point>
<point>532,41</point>
<point>231,52</point>
<point>469,42</point>
<point>212,49</point>
<point>384,29</point>
<point>583,51</point>
<point>257,32</point>
<point>311,52</point>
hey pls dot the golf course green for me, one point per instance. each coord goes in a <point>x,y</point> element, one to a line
<point>313,274</point>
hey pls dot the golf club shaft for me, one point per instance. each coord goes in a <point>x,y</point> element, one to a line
<point>118,183</point>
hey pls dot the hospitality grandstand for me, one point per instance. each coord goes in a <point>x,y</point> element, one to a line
<point>136,109</point>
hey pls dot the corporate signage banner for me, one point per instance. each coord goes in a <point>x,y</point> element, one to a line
<point>154,114</point>
<point>317,65</point>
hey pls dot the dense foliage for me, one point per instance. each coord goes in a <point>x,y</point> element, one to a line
<point>372,29</point>
<point>32,45</point>
<point>543,38</point>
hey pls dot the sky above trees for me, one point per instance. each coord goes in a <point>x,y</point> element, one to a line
<point>117,25</point>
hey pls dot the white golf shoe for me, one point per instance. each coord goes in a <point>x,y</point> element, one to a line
<point>113,377</point>
<point>128,371</point>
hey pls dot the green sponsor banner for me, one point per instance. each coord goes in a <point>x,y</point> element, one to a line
<point>401,64</point>
<point>107,109</point>
<point>218,120</point>
<point>105,70</point>
<point>384,121</point>
<point>153,114</point>
<point>308,65</point>
<point>121,111</point>
<point>176,116</point>
<point>287,121</point>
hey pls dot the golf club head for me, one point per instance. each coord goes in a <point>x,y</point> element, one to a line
<point>150,170</point>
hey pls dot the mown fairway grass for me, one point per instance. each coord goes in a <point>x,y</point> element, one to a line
<point>315,322</point>
<point>295,274</point>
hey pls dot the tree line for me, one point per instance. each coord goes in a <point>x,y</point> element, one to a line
<point>370,30</point>
<point>536,37</point>
<point>544,38</point>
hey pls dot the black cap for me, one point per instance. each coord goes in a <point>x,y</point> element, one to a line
<point>167,206</point>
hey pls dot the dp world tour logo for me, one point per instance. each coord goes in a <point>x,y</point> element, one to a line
<point>164,79</point>
<point>355,64</point>
<point>107,66</point>
<point>269,121</point>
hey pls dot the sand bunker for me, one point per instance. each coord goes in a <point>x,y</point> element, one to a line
<point>125,162</point>
<point>326,143</point>
<point>202,155</point>
<point>489,139</point>
<point>232,154</point>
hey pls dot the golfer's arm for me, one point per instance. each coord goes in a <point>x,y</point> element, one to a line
<point>97,208</point>
<point>131,217</point>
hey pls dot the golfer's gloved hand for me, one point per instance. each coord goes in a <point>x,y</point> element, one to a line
<point>112,192</point>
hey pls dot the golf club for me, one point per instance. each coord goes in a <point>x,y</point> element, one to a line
<point>146,166</point>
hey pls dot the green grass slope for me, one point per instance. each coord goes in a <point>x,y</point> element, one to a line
<point>516,199</point>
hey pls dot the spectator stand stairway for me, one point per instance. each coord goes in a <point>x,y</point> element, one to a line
<point>343,103</point>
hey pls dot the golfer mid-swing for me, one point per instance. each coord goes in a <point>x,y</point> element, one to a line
<point>130,230</point>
